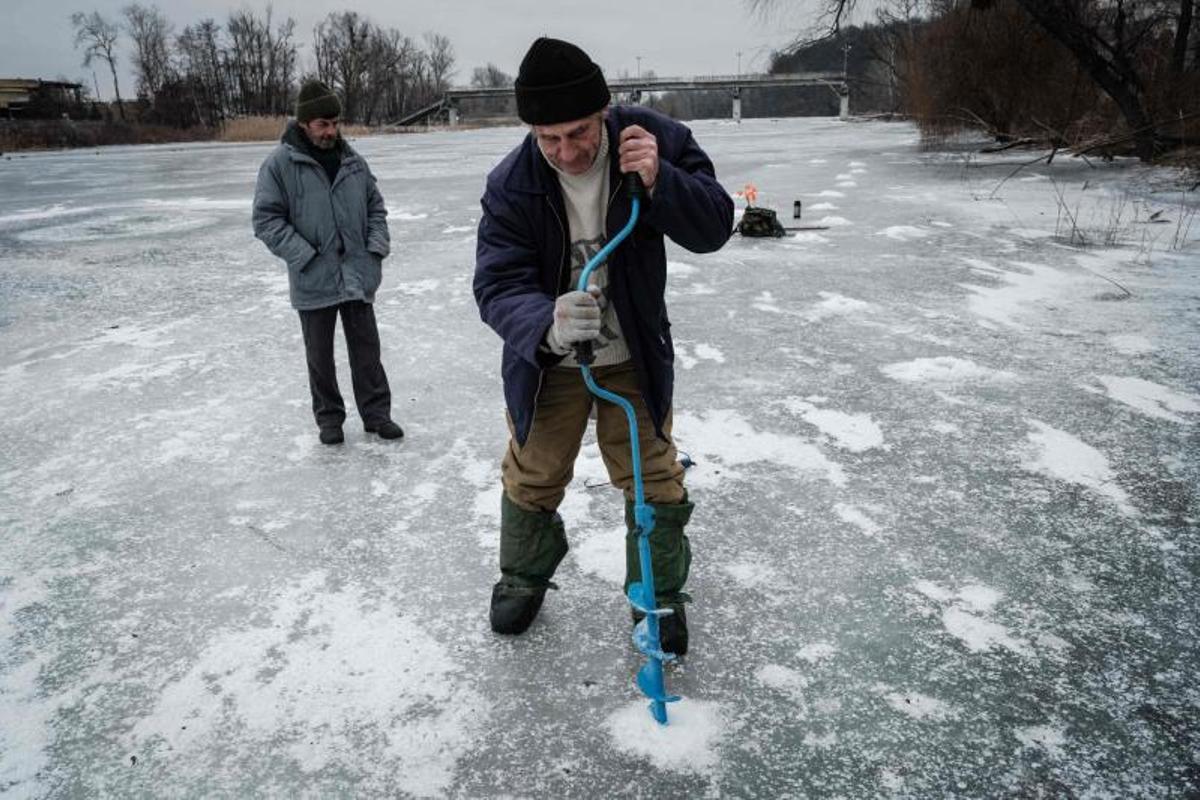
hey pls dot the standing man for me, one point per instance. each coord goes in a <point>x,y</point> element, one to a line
<point>548,207</point>
<point>316,206</point>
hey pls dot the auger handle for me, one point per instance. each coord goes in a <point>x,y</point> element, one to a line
<point>635,189</point>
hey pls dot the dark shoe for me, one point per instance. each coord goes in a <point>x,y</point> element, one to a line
<point>672,630</point>
<point>332,436</point>
<point>514,607</point>
<point>386,429</point>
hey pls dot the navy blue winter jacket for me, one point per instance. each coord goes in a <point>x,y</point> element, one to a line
<point>523,257</point>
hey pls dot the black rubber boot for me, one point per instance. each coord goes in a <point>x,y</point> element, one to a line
<point>532,544</point>
<point>671,559</point>
<point>514,608</point>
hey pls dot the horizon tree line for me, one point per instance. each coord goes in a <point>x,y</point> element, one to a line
<point>250,64</point>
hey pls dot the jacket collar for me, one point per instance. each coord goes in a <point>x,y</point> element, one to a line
<point>293,140</point>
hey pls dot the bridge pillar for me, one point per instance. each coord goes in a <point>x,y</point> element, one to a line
<point>737,106</point>
<point>844,96</point>
<point>453,114</point>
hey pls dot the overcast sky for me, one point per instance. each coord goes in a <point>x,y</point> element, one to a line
<point>673,37</point>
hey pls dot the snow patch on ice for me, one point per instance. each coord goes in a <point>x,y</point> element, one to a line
<point>1036,287</point>
<point>920,706</point>
<point>816,651</point>
<point>856,433</point>
<point>1049,738</point>
<point>1131,344</point>
<point>722,436</point>
<point>822,207</point>
<point>328,668</point>
<point>854,516</point>
<point>828,193</point>
<point>407,216</point>
<point>766,302</point>
<point>688,743</point>
<point>980,634</point>
<point>810,237</point>
<point>679,268</point>
<point>709,353</point>
<point>752,574</point>
<point>1150,398</point>
<point>834,304</point>
<point>602,554</point>
<point>1063,457</point>
<point>904,233</point>
<point>777,676</point>
<point>834,221</point>
<point>944,370</point>
<point>964,617</point>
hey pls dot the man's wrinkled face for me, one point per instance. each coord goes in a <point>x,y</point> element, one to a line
<point>322,132</point>
<point>571,146</point>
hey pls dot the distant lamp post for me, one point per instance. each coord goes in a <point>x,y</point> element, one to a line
<point>739,71</point>
<point>639,67</point>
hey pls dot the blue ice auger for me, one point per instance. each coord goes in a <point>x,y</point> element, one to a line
<point>641,595</point>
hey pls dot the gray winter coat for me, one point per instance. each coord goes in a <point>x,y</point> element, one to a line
<point>333,238</point>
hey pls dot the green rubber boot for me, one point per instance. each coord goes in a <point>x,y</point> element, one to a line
<point>532,544</point>
<point>671,558</point>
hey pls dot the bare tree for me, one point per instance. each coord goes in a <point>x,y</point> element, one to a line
<point>1106,38</point>
<point>440,53</point>
<point>261,62</point>
<point>490,77</point>
<point>151,34</point>
<point>202,61</point>
<point>98,37</point>
<point>340,43</point>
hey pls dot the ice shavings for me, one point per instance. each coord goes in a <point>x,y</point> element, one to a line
<point>724,437</point>
<point>1151,399</point>
<point>688,743</point>
<point>344,680</point>
<point>856,433</point>
<point>1063,457</point>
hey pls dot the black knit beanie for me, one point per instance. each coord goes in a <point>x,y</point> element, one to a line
<point>317,101</point>
<point>557,83</point>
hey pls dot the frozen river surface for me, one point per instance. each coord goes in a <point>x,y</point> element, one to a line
<point>948,467</point>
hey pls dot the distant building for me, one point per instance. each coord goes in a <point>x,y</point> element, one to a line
<point>23,97</point>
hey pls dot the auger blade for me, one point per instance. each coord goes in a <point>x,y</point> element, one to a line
<point>650,681</point>
<point>648,645</point>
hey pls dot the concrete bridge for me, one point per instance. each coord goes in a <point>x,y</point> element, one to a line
<point>635,88</point>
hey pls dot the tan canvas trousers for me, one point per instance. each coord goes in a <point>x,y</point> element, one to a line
<point>536,474</point>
